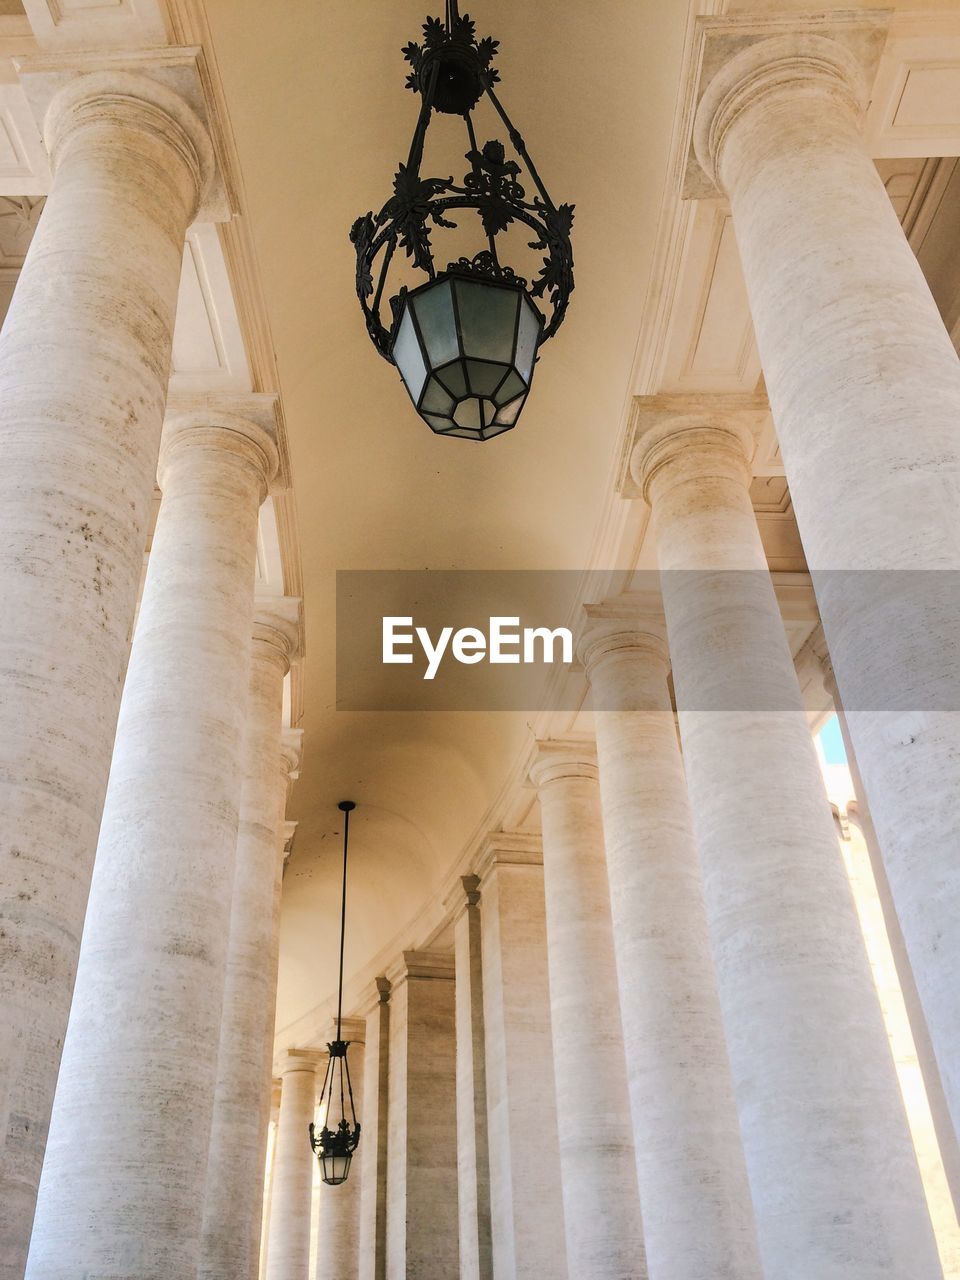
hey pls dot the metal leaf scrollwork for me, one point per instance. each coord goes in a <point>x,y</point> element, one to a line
<point>556,274</point>
<point>451,61</point>
<point>494,182</point>
<point>484,264</point>
<point>414,202</point>
<point>437,40</point>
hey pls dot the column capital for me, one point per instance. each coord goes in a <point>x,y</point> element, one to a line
<point>376,995</point>
<point>353,1030</point>
<point>509,849</point>
<point>299,1060</point>
<point>816,647</point>
<point>245,425</point>
<point>557,759</point>
<point>693,436</point>
<point>159,91</point>
<point>291,752</point>
<point>289,830</point>
<point>277,630</point>
<point>632,624</point>
<point>429,965</point>
<point>746,62</point>
<point>465,894</point>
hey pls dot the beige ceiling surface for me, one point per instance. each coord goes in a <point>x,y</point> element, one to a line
<point>321,119</point>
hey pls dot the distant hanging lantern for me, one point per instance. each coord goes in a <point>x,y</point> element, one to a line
<point>466,341</point>
<point>334,1147</point>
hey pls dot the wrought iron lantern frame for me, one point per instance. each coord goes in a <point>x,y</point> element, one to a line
<point>452,71</point>
<point>334,1148</point>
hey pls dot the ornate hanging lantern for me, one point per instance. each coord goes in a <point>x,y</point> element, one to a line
<point>466,341</point>
<point>334,1147</point>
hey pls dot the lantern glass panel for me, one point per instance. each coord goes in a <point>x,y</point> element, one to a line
<point>484,377</point>
<point>409,358</point>
<point>513,385</point>
<point>440,425</point>
<point>509,413</point>
<point>436,399</point>
<point>468,414</point>
<point>335,1169</point>
<point>438,325</point>
<point>488,320</point>
<point>454,378</point>
<point>527,339</point>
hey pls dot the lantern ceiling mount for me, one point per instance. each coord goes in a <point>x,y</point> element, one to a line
<point>465,341</point>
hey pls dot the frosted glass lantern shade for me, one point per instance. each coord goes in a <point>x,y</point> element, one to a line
<point>335,1167</point>
<point>466,349</point>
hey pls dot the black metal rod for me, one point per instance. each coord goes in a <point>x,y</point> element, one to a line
<point>345,807</point>
<point>517,140</point>
<point>384,268</point>
<point>420,133</point>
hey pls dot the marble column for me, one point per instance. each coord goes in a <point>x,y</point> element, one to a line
<point>526,1200</point>
<point>473,1156</point>
<point>422,1216</point>
<point>269,1166</point>
<point>833,1175</point>
<point>84,364</point>
<point>234,1181</point>
<point>373,1141</point>
<point>920,1031</point>
<point>864,384</point>
<point>601,1203</point>
<point>698,1216</point>
<point>288,1242</point>
<point>338,1254</point>
<point>123,1180</point>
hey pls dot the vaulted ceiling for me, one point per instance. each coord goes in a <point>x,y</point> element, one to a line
<point>321,120</point>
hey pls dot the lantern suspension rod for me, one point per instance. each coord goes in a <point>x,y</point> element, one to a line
<point>517,140</point>
<point>345,807</point>
<point>415,158</point>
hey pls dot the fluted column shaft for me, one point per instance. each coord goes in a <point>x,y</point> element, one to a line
<point>864,383</point>
<point>601,1204</point>
<point>84,363</point>
<point>698,1217</point>
<point>123,1180</point>
<point>234,1181</point>
<point>338,1254</point>
<point>288,1246</point>
<point>833,1175</point>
